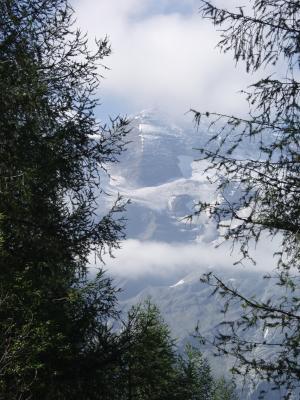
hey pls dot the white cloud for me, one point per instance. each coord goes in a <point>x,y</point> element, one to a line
<point>136,259</point>
<point>164,59</point>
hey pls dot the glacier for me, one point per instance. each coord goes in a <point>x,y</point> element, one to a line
<point>160,176</point>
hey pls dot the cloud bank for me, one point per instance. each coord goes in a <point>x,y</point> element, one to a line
<point>164,56</point>
<point>138,259</point>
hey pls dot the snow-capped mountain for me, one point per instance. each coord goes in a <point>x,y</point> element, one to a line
<point>160,177</point>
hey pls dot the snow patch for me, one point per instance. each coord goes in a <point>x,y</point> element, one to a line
<point>266,333</point>
<point>181,282</point>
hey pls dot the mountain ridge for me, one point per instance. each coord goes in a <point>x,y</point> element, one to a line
<point>159,175</point>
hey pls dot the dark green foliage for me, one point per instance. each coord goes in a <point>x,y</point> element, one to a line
<point>57,348</point>
<point>148,364</point>
<point>194,379</point>
<point>52,148</point>
<point>266,34</point>
<point>55,337</point>
<point>152,369</point>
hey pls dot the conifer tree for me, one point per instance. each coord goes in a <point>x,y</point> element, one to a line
<point>148,364</point>
<point>152,367</point>
<point>194,378</point>
<point>54,323</point>
<point>266,183</point>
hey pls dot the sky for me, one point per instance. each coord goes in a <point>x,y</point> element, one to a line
<point>164,56</point>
